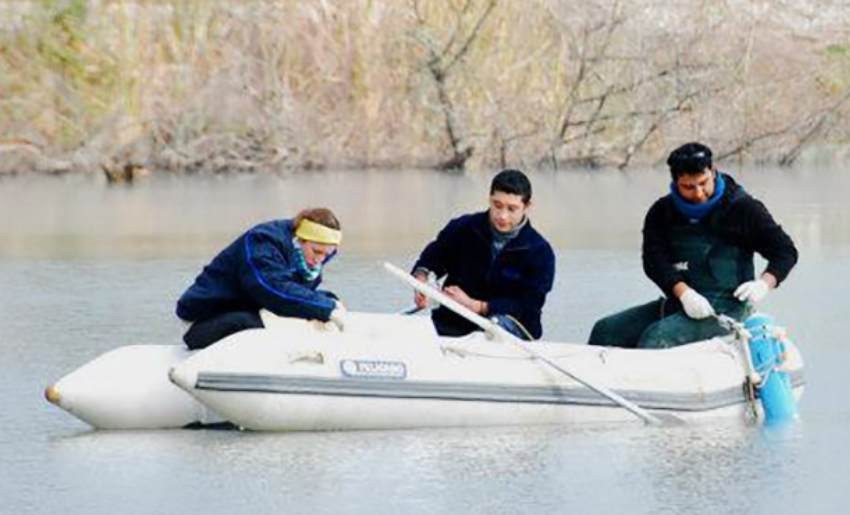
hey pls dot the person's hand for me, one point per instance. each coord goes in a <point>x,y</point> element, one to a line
<point>752,291</point>
<point>420,299</point>
<point>696,306</point>
<point>460,296</point>
<point>339,316</point>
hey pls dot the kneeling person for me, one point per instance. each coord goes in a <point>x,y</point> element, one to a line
<point>275,265</point>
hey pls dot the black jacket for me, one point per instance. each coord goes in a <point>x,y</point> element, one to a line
<point>514,283</point>
<point>745,223</point>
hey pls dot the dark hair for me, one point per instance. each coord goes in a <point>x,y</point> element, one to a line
<point>320,215</point>
<point>513,182</point>
<point>689,159</point>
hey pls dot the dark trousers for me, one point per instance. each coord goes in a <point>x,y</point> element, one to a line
<point>656,326</point>
<point>204,333</point>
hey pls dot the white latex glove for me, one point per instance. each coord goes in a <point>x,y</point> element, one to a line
<point>696,306</point>
<point>339,316</point>
<point>752,291</point>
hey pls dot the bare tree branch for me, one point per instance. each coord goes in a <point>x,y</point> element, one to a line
<point>826,118</point>
<point>471,37</point>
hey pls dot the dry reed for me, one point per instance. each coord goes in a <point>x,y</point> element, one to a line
<point>191,85</point>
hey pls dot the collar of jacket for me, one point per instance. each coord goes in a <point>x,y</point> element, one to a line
<point>695,212</point>
<point>481,227</point>
<point>731,193</point>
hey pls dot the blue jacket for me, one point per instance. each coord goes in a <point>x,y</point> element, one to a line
<point>514,282</point>
<point>258,270</point>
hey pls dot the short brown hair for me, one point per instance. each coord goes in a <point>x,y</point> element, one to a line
<point>320,215</point>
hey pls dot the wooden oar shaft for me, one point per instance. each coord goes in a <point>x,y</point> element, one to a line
<point>496,330</point>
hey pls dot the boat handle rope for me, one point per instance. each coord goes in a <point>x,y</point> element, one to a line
<point>742,336</point>
<point>754,379</point>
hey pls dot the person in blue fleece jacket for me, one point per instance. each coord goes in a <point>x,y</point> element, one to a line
<point>276,265</point>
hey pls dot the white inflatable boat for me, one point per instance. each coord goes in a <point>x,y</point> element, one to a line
<point>291,377</point>
<point>391,371</point>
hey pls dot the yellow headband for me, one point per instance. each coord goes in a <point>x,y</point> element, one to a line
<point>312,231</point>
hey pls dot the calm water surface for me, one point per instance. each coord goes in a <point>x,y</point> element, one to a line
<point>85,268</point>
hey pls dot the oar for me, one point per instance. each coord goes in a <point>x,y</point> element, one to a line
<point>498,332</point>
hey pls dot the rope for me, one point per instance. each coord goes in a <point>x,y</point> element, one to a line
<point>750,394</point>
<point>521,327</point>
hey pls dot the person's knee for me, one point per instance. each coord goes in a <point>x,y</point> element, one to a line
<point>196,337</point>
<point>657,336</point>
<point>204,333</point>
<point>677,330</point>
<point>605,333</point>
<point>623,329</point>
<point>242,320</point>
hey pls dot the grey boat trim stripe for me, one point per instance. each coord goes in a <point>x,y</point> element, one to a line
<point>475,392</point>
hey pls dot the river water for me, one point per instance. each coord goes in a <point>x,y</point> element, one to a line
<point>85,268</point>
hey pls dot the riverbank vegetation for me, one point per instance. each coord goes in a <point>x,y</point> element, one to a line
<point>260,85</point>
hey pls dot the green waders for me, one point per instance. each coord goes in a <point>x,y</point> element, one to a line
<point>712,267</point>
